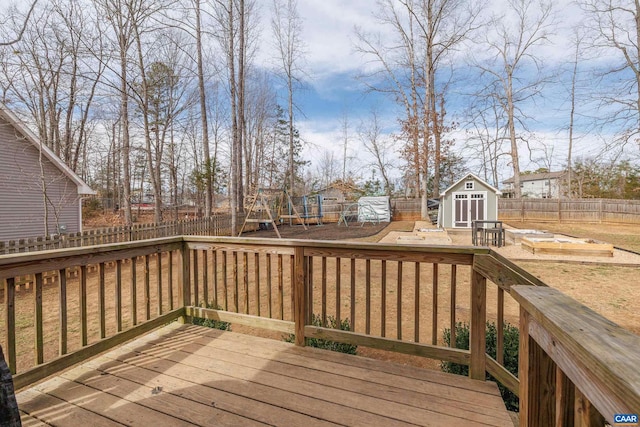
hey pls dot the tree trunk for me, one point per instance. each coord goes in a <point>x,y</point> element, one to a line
<point>126,149</point>
<point>203,117</point>
<point>515,161</point>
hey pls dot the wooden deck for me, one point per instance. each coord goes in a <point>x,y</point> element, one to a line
<point>188,375</point>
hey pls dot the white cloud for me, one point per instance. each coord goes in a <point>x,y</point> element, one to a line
<point>328,31</point>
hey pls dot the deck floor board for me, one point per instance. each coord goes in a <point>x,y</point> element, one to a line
<point>189,375</point>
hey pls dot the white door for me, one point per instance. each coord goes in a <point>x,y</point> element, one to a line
<point>468,207</point>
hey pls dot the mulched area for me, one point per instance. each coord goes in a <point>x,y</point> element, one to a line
<point>328,231</point>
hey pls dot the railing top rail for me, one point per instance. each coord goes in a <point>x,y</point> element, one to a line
<point>467,250</point>
<point>32,262</point>
<point>503,272</point>
<point>594,352</point>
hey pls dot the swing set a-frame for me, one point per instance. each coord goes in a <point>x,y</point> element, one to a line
<point>271,206</point>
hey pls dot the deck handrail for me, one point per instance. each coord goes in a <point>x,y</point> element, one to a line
<point>225,278</point>
<point>573,350</point>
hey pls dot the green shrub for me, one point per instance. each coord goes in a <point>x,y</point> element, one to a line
<point>331,322</point>
<point>210,323</point>
<point>511,335</point>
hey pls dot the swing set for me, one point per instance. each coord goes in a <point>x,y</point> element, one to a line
<point>270,207</point>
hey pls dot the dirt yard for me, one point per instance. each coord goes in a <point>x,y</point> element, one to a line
<point>329,231</point>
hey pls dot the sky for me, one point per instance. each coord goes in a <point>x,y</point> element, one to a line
<point>332,91</point>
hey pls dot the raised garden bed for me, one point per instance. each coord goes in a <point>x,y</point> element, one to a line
<point>567,246</point>
<point>514,236</point>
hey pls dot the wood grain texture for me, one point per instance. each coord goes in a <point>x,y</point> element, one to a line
<point>38,373</point>
<point>299,296</point>
<point>502,272</point>
<point>462,357</point>
<point>181,375</point>
<point>477,344</point>
<point>599,357</point>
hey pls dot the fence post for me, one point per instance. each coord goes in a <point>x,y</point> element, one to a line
<point>477,338</point>
<point>600,211</point>
<point>299,295</point>
<point>559,209</point>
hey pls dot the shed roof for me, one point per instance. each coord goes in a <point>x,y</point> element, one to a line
<point>466,177</point>
<point>8,115</point>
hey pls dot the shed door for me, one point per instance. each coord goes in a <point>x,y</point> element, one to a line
<point>468,207</point>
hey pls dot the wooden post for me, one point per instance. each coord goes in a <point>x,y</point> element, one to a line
<point>38,320</point>
<point>523,366</point>
<point>299,295</point>
<point>559,209</point>
<point>10,321</point>
<point>600,211</point>
<point>82,301</point>
<point>62,341</point>
<point>537,375</point>
<point>477,338</point>
<point>184,297</point>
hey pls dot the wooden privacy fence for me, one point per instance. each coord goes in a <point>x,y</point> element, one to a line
<point>575,366</point>
<point>570,210</point>
<point>217,225</point>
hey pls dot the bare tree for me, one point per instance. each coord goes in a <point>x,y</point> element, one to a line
<point>121,15</point>
<point>370,133</point>
<point>397,74</point>
<point>153,91</point>
<point>444,25</point>
<point>615,29</point>
<point>511,63</point>
<point>577,42</point>
<point>344,127</point>
<point>287,28</point>
<point>327,169</point>
<point>203,109</point>
<point>486,135</point>
<point>21,31</point>
<point>232,18</point>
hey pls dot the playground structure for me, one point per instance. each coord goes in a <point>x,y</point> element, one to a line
<point>310,206</point>
<point>271,207</point>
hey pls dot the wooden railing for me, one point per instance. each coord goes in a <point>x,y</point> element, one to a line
<point>397,298</point>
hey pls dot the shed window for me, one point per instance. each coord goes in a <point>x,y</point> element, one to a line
<point>468,185</point>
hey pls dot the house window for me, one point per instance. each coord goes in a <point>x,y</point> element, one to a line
<point>468,185</point>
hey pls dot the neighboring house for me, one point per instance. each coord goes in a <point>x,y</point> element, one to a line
<point>467,200</point>
<point>34,184</point>
<point>545,185</point>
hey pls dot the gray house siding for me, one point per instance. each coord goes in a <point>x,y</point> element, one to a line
<point>22,199</point>
<point>488,204</point>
